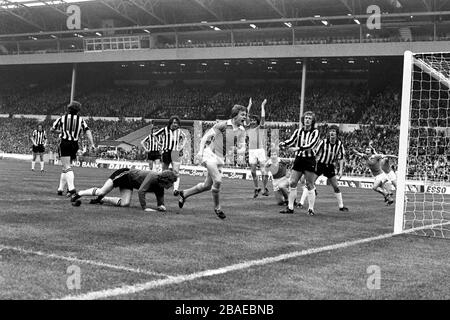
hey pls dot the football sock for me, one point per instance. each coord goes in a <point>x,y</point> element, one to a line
<point>70,179</point>
<point>311,198</point>
<point>255,179</point>
<point>304,195</point>
<point>339,199</point>
<point>176,184</point>
<point>215,195</point>
<point>62,181</point>
<point>292,197</point>
<point>115,201</point>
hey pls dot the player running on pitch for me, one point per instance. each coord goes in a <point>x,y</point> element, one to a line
<point>126,180</point>
<point>373,161</point>
<point>212,156</point>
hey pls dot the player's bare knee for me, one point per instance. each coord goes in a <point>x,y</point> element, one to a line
<point>309,185</point>
<point>217,184</point>
<point>206,186</point>
<point>336,190</point>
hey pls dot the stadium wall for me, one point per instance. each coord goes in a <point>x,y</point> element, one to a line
<point>285,51</point>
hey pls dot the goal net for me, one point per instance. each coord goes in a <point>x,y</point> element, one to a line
<point>423,196</point>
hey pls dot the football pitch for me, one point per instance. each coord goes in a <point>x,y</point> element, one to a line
<point>51,250</point>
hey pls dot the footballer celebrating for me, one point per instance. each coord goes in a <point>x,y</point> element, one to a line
<point>212,156</point>
<point>257,142</point>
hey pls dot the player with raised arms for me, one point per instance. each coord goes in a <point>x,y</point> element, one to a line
<point>373,161</point>
<point>257,142</point>
<point>212,156</point>
<point>388,169</point>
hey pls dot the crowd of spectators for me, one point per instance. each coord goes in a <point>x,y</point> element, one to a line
<point>340,104</point>
<point>377,115</point>
<point>15,133</point>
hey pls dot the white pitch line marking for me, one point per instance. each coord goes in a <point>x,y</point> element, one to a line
<point>130,289</point>
<point>83,261</point>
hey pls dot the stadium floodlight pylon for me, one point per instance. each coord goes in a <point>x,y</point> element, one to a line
<point>423,186</point>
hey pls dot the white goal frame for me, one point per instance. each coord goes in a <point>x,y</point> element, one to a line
<point>409,62</point>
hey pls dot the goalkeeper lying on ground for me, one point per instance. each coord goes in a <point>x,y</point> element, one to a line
<point>127,180</point>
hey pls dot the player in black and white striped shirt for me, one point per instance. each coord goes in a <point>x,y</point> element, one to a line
<point>69,127</point>
<point>171,140</point>
<point>304,142</point>
<point>150,145</point>
<point>329,151</point>
<point>39,140</point>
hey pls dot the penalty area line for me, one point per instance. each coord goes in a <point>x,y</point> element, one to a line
<point>82,261</point>
<point>131,289</point>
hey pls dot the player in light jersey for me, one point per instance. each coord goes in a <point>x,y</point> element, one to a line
<point>387,168</point>
<point>389,171</point>
<point>257,142</point>
<point>212,156</point>
<point>373,161</point>
<point>280,178</point>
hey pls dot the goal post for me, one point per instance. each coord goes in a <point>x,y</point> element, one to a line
<point>423,186</point>
<point>403,142</point>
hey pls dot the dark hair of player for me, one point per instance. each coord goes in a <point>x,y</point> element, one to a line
<point>256,118</point>
<point>74,107</point>
<point>335,128</point>
<point>167,176</point>
<point>173,119</point>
